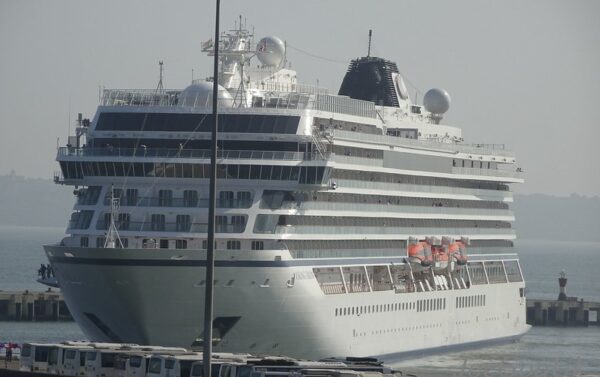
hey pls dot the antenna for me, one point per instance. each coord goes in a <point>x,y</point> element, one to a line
<point>160,89</point>
<point>369,50</point>
<point>112,236</point>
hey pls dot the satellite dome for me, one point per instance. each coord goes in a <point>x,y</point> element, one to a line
<point>436,101</point>
<point>199,94</point>
<point>270,51</point>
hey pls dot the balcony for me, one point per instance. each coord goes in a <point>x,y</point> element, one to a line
<point>147,226</point>
<point>422,189</point>
<point>387,209</point>
<point>399,231</point>
<point>488,172</point>
<point>479,149</point>
<point>180,202</point>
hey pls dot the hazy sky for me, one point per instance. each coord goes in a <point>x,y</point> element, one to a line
<point>523,73</point>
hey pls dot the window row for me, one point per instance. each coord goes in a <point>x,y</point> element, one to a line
<point>165,243</point>
<point>183,223</point>
<point>371,309</point>
<point>246,123</point>
<point>415,180</point>
<point>301,174</point>
<point>470,301</point>
<point>431,304</point>
<point>473,164</point>
<point>190,198</point>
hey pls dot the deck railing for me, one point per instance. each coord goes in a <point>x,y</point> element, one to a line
<point>186,153</point>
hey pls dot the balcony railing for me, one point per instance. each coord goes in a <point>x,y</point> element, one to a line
<point>187,153</point>
<point>400,209</point>
<point>390,186</point>
<point>180,202</point>
<point>141,226</point>
<point>488,172</point>
<point>480,149</point>
<point>361,230</point>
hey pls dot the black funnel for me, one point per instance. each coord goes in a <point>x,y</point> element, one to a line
<point>370,79</point>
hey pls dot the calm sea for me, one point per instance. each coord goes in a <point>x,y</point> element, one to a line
<point>544,351</point>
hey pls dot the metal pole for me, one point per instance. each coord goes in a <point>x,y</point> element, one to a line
<point>210,252</point>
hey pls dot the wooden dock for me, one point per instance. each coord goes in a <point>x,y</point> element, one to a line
<point>33,306</point>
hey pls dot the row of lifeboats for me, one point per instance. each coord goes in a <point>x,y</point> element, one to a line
<point>437,255</point>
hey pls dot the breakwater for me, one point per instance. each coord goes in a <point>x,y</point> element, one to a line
<point>33,306</point>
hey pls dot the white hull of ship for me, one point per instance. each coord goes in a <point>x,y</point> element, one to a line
<point>156,297</point>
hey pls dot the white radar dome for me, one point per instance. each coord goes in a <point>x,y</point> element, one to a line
<point>436,101</point>
<point>200,94</point>
<point>270,51</point>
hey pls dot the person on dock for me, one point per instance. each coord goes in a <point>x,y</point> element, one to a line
<point>8,355</point>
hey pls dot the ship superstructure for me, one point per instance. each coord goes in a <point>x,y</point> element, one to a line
<point>343,221</point>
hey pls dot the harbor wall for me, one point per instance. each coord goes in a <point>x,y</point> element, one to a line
<point>33,306</point>
<point>569,312</point>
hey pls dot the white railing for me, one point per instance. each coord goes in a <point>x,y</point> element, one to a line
<point>488,172</point>
<point>391,208</point>
<point>423,144</point>
<point>407,187</point>
<point>396,230</point>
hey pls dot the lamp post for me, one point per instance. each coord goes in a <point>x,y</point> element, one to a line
<point>210,248</point>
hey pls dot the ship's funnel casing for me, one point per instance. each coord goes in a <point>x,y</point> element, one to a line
<point>371,79</point>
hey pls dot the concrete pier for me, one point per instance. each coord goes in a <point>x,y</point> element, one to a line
<point>33,306</point>
<point>569,312</point>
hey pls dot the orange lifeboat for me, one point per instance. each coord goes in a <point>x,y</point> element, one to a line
<point>420,253</point>
<point>458,250</point>
<point>440,258</point>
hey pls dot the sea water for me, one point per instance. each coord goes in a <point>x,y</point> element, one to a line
<point>543,351</point>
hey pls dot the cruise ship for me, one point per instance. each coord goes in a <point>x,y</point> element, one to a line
<point>348,224</point>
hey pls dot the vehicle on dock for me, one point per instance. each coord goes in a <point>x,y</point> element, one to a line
<point>73,360</point>
<point>34,357</point>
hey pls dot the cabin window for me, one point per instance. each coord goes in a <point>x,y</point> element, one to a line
<point>165,198</point>
<point>100,242</point>
<point>181,244</point>
<point>131,197</point>
<point>183,223</point>
<point>190,198</point>
<point>84,241</point>
<point>158,222</point>
<point>258,245</point>
<point>234,245</point>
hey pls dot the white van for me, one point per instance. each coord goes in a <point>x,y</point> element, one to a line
<point>181,365</point>
<point>101,362</point>
<point>164,365</point>
<point>73,360</point>
<point>137,365</point>
<point>34,357</point>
